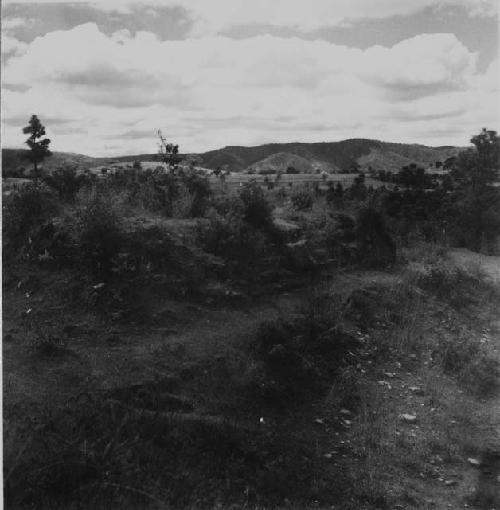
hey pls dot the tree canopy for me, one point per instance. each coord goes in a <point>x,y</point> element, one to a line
<point>39,146</point>
<point>479,166</point>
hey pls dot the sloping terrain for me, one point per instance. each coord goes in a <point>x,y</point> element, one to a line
<point>390,161</point>
<point>13,159</point>
<point>281,161</point>
<point>344,156</point>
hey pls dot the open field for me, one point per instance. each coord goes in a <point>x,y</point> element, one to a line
<point>234,181</point>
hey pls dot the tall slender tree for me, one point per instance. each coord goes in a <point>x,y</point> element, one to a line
<point>168,152</point>
<point>39,146</point>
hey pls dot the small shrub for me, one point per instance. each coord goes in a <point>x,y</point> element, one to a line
<point>242,246</point>
<point>199,187</point>
<point>99,235</point>
<point>23,211</point>
<point>422,252</point>
<point>66,182</point>
<point>257,210</point>
<point>455,285</point>
<point>302,199</point>
<point>44,339</point>
<point>47,345</point>
<point>468,361</point>
<point>54,242</point>
<point>183,203</point>
<point>303,354</point>
<point>376,246</point>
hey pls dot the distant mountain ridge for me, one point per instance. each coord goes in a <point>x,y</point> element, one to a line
<point>333,157</point>
<point>341,156</point>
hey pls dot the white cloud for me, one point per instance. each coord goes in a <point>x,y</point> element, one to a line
<point>11,23</point>
<point>207,92</point>
<point>12,47</point>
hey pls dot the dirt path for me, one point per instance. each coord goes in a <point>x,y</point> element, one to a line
<point>489,264</point>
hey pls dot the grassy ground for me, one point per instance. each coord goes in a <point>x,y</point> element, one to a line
<point>361,390</point>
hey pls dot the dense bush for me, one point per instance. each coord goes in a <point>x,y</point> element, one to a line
<point>473,219</point>
<point>184,194</point>
<point>198,186</point>
<point>239,244</point>
<point>67,182</point>
<point>257,209</point>
<point>376,246</point>
<point>340,235</point>
<point>414,210</point>
<point>99,235</point>
<point>458,286</point>
<point>301,355</point>
<point>23,211</point>
<point>470,363</point>
<point>302,199</point>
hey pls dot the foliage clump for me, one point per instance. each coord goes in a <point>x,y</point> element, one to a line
<point>67,182</point>
<point>99,235</point>
<point>257,210</point>
<point>23,211</point>
<point>39,147</point>
<point>302,199</point>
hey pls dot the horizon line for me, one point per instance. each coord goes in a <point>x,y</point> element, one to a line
<point>248,147</point>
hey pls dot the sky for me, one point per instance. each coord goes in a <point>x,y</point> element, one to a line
<point>103,76</point>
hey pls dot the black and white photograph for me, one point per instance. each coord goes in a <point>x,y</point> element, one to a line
<point>250,254</point>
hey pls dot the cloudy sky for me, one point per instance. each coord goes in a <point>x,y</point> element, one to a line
<point>102,76</point>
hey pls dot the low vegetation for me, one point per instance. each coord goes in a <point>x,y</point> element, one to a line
<point>171,343</point>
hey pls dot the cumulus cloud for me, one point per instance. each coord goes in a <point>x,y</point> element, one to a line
<point>11,23</point>
<point>12,47</point>
<point>214,91</point>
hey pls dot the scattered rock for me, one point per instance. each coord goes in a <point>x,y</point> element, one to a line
<point>417,390</point>
<point>385,383</point>
<point>409,418</point>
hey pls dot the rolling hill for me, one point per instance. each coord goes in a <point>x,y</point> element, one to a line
<point>13,159</point>
<point>344,156</point>
<point>333,157</point>
<point>282,160</point>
